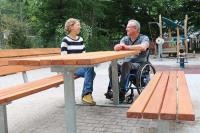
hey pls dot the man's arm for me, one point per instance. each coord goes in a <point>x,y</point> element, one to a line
<point>142,47</point>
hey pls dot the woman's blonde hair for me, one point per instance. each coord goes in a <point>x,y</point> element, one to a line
<point>69,23</point>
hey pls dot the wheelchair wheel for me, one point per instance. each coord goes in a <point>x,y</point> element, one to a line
<point>129,98</point>
<point>130,86</point>
<point>130,82</point>
<point>144,74</point>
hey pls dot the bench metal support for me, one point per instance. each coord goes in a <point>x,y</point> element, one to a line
<point>3,119</point>
<point>25,77</point>
<point>115,84</point>
<point>163,126</point>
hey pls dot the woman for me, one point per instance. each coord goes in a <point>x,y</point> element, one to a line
<point>72,43</point>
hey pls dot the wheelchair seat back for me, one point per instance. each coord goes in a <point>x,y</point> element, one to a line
<point>145,58</point>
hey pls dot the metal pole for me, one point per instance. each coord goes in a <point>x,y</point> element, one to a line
<point>25,78</point>
<point>69,100</point>
<point>160,25</point>
<point>163,126</point>
<point>3,119</point>
<point>178,41</point>
<point>185,33</point>
<point>159,45</point>
<point>115,82</point>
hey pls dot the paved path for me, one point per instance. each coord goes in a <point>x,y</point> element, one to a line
<point>44,112</point>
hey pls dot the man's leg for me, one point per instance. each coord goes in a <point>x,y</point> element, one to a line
<point>125,69</point>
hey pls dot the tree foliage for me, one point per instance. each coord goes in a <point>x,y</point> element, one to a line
<point>105,20</point>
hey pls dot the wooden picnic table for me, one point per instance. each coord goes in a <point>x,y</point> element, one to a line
<point>67,65</point>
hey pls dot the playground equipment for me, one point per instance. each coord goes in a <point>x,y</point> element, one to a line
<point>169,39</point>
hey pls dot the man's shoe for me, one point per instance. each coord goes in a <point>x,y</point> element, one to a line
<point>109,94</point>
<point>122,94</point>
<point>88,99</point>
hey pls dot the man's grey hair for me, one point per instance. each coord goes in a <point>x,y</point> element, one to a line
<point>137,24</point>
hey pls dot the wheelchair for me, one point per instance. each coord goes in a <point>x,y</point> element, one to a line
<point>138,78</point>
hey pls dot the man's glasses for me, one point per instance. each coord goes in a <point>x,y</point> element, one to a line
<point>128,27</point>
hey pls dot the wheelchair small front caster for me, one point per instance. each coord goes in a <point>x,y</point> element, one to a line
<point>109,95</point>
<point>129,99</point>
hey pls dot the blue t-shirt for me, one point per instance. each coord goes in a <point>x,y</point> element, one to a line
<point>142,39</point>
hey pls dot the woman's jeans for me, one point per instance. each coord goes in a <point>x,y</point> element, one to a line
<point>88,74</point>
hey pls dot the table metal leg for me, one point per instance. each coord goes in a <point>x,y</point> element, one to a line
<point>115,84</point>
<point>25,77</point>
<point>3,119</point>
<point>163,126</point>
<point>69,101</point>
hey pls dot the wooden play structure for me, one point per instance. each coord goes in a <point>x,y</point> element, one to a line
<point>174,37</point>
<point>172,45</point>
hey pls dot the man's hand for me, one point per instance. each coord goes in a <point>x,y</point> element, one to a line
<point>118,47</point>
<point>122,46</point>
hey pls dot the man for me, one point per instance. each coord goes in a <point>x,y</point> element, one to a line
<point>133,40</point>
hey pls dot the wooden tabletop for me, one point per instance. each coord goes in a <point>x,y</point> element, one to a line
<point>89,58</point>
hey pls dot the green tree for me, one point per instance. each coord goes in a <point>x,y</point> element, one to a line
<point>192,9</point>
<point>104,19</point>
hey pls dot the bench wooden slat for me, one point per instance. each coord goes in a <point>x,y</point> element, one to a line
<point>12,93</point>
<point>28,52</point>
<point>6,91</point>
<point>170,99</point>
<point>4,61</point>
<point>135,110</point>
<point>168,110</point>
<point>153,108</point>
<point>6,70</point>
<point>185,109</point>
<point>10,54</point>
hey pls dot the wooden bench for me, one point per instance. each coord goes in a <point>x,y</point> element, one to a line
<point>6,55</point>
<point>8,94</point>
<point>165,98</point>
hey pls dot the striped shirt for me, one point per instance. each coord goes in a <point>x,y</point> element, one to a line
<point>69,45</point>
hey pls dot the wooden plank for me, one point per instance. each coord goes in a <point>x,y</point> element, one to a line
<point>12,93</point>
<point>6,70</point>
<point>136,109</point>
<point>154,105</point>
<point>185,109</point>
<point>91,58</point>
<point>4,61</point>
<point>25,86</point>
<point>115,55</point>
<point>169,50</point>
<point>28,52</point>
<point>75,59</point>
<point>168,111</point>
